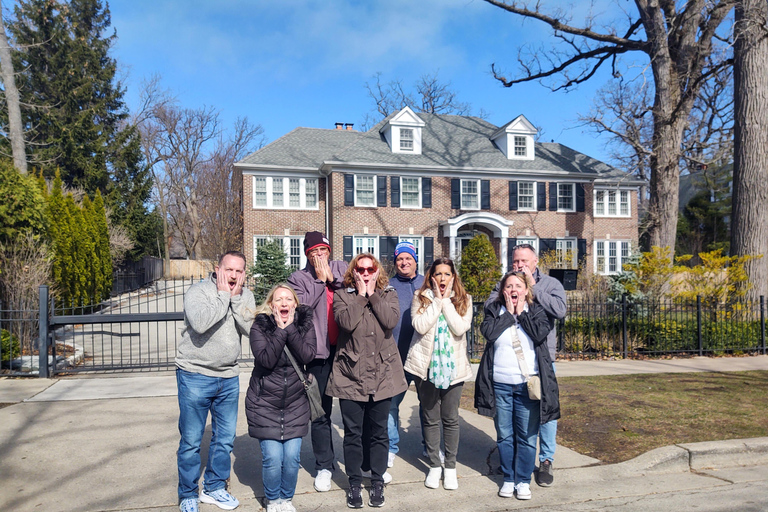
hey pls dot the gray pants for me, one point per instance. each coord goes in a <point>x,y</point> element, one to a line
<point>440,405</point>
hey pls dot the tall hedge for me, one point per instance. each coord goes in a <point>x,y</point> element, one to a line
<point>479,269</point>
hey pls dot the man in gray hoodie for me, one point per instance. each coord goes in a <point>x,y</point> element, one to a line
<point>217,312</point>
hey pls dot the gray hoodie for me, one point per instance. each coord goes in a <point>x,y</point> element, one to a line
<point>214,322</point>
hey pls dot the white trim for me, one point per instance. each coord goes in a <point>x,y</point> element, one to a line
<point>606,192</point>
<point>286,243</point>
<point>461,194</point>
<point>535,195</point>
<point>402,204</point>
<point>498,224</point>
<point>375,191</point>
<point>269,182</point>
<point>419,249</point>
<point>573,197</point>
<point>618,246</point>
<point>560,252</point>
<point>375,250</point>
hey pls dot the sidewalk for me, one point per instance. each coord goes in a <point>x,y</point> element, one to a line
<point>109,443</point>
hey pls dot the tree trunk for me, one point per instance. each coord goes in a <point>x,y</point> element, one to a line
<point>15,128</point>
<point>749,232</point>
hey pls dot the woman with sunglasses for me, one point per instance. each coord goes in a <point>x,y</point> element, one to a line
<point>515,329</point>
<point>367,371</point>
<point>441,314</point>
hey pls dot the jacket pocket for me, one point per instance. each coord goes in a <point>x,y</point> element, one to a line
<point>347,364</point>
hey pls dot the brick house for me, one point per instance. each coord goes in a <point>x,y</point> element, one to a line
<point>437,180</point>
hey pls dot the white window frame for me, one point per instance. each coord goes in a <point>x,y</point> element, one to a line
<point>375,190</point>
<point>461,195</point>
<point>604,199</point>
<point>402,192</point>
<point>573,197</point>
<point>604,250</point>
<point>406,139</point>
<point>533,197</point>
<point>286,243</point>
<point>561,247</point>
<point>418,242</point>
<point>260,179</point>
<point>516,140</point>
<point>532,240</point>
<point>373,242</point>
<point>270,184</point>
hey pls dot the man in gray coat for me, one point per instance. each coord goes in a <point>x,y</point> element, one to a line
<point>314,284</point>
<point>217,312</point>
<point>548,292</point>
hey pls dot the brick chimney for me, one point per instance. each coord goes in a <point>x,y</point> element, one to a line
<point>348,126</point>
<point>339,126</point>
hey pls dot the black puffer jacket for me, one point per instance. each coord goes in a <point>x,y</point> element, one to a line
<point>276,405</point>
<point>535,324</point>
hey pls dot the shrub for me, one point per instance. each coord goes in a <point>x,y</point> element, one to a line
<point>9,345</point>
<point>479,269</point>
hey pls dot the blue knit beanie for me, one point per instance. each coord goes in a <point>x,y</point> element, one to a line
<point>406,247</point>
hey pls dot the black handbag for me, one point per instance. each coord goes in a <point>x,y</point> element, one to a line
<point>310,386</point>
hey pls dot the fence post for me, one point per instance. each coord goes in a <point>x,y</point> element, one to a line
<point>624,324</point>
<point>42,344</point>
<point>698,325</point>
<point>762,322</point>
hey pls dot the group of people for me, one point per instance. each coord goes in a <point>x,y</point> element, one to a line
<point>364,337</point>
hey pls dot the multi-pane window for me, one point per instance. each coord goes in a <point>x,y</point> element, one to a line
<point>277,192</point>
<point>270,192</point>
<point>612,203</point>
<point>565,249</point>
<point>417,243</point>
<point>610,255</point>
<point>259,191</point>
<point>366,244</point>
<point>470,194</point>
<point>565,197</point>
<point>292,245</point>
<point>365,190</point>
<point>295,253</point>
<point>410,195</point>
<point>520,146</point>
<point>526,195</point>
<point>294,193</point>
<point>530,240</point>
<point>406,139</point>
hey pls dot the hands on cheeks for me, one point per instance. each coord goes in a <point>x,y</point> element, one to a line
<point>444,294</point>
<point>279,318</point>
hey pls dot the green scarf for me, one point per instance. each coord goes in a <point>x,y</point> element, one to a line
<point>442,368</point>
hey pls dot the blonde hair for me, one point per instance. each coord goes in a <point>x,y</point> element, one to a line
<point>522,276</point>
<point>266,306</point>
<point>349,275</point>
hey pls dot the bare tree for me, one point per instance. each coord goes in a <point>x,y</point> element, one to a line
<point>429,94</point>
<point>749,232</point>
<point>15,127</point>
<point>678,41</point>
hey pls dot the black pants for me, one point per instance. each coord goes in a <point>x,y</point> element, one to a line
<point>322,441</point>
<point>354,415</point>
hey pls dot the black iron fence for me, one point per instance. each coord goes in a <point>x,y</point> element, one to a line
<point>140,330</point>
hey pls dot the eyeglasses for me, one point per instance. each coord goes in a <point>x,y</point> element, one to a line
<point>363,270</point>
<point>525,246</point>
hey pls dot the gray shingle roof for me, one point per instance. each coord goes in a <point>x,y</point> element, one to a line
<point>451,142</point>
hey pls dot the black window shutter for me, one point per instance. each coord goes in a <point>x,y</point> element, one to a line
<point>381,183</point>
<point>513,195</point>
<point>579,197</point>
<point>426,192</point>
<point>387,246</point>
<point>429,251</point>
<point>349,190</point>
<point>395,191</point>
<point>546,245</point>
<point>553,197</point>
<point>347,248</point>
<point>456,194</point>
<point>541,196</point>
<point>581,247</point>
<point>485,194</point>
<point>511,243</point>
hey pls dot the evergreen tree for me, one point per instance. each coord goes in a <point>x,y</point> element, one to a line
<point>82,250</point>
<point>269,269</point>
<point>22,208</point>
<point>479,269</point>
<point>102,257</point>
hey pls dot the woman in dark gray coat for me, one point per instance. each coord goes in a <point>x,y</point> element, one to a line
<point>276,404</point>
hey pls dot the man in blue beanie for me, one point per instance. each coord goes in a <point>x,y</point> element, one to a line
<point>406,281</point>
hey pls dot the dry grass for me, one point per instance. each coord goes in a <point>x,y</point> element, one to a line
<point>616,418</point>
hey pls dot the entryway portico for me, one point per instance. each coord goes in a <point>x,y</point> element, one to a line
<point>496,224</point>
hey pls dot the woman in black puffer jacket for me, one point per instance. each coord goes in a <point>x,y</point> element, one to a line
<point>276,404</point>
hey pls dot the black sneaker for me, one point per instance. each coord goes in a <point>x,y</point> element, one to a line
<point>376,498</point>
<point>544,476</point>
<point>355,497</point>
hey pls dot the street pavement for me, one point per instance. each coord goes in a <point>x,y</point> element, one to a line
<point>107,443</point>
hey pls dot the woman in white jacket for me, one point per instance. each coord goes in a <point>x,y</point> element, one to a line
<point>441,314</point>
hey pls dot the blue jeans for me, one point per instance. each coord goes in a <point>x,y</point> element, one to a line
<point>548,438</point>
<point>199,394</point>
<point>280,467</point>
<point>517,427</point>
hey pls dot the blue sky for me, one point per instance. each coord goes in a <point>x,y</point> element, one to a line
<point>292,63</point>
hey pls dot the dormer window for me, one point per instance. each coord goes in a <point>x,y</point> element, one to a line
<point>520,146</point>
<point>516,139</point>
<point>406,139</point>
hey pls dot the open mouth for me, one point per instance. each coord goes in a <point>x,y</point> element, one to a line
<point>284,312</point>
<point>513,296</point>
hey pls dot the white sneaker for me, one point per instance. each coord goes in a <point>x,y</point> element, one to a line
<point>323,480</point>
<point>288,506</point>
<point>507,490</point>
<point>450,481</point>
<point>433,478</point>
<point>386,476</point>
<point>523,491</point>
<point>275,506</point>
<point>391,459</point>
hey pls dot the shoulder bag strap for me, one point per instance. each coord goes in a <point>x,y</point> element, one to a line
<point>295,365</point>
<point>519,353</point>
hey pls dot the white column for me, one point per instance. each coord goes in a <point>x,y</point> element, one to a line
<point>503,252</point>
